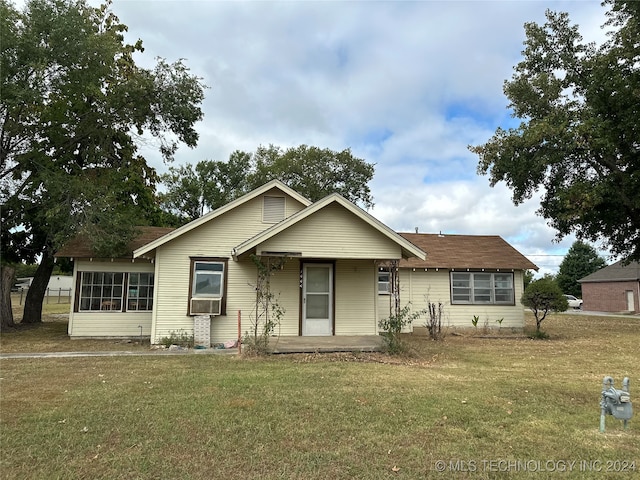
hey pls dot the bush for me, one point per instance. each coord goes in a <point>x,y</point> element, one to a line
<point>180,338</point>
<point>393,325</point>
<point>543,296</point>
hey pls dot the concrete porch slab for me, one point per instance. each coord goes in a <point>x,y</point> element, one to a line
<point>355,343</point>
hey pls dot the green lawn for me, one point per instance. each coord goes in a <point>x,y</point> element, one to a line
<point>487,408</point>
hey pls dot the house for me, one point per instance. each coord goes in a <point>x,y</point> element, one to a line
<point>56,283</point>
<point>327,285</point>
<point>615,288</point>
<point>469,275</point>
<point>328,256</point>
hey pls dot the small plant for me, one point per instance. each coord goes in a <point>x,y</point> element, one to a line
<point>499,322</point>
<point>434,323</point>
<point>475,320</point>
<point>485,327</point>
<point>393,325</point>
<point>268,311</point>
<point>539,335</point>
<point>180,338</point>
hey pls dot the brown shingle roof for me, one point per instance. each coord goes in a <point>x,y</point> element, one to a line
<point>465,251</point>
<point>615,273</point>
<point>80,247</point>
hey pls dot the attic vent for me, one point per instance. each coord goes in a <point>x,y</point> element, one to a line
<point>273,209</point>
<point>208,306</point>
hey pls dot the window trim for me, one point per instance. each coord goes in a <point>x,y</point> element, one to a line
<point>471,276</point>
<point>124,298</point>
<point>225,275</point>
<point>149,297</point>
<point>386,271</point>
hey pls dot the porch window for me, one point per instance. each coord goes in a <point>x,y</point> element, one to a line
<point>208,285</point>
<point>384,281</point>
<point>482,288</point>
<point>140,291</point>
<point>100,291</point>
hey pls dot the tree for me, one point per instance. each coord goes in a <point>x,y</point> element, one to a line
<point>74,105</point>
<point>315,172</point>
<point>7,277</point>
<point>578,138</point>
<point>210,185</point>
<point>581,260</point>
<point>311,171</point>
<point>543,296</point>
<point>527,277</point>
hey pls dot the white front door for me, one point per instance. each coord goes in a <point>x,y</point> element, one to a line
<point>630,302</point>
<point>317,299</point>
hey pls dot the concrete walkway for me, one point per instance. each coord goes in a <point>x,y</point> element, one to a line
<point>367,343</point>
<point>123,353</point>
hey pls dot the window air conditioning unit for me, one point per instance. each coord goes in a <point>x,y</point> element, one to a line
<point>206,306</point>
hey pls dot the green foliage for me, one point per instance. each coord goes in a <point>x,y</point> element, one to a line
<point>180,338</point>
<point>543,296</point>
<point>209,185</point>
<point>72,109</point>
<point>475,320</point>
<point>315,172</point>
<point>392,327</point>
<point>581,260</point>
<point>539,335</point>
<point>268,312</point>
<point>578,139</point>
<point>527,277</point>
<point>311,171</point>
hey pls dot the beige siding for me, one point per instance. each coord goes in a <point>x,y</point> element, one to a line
<point>108,323</point>
<point>355,297</point>
<point>418,286</point>
<point>285,285</point>
<point>333,232</point>
<point>213,239</point>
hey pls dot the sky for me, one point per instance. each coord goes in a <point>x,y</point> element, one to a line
<point>407,86</point>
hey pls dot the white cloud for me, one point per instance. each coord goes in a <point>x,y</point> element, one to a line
<point>405,85</point>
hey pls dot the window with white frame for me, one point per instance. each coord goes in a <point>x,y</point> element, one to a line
<point>208,280</point>
<point>482,288</point>
<point>105,291</point>
<point>384,281</point>
<point>140,291</point>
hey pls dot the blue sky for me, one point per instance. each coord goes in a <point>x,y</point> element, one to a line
<point>406,85</point>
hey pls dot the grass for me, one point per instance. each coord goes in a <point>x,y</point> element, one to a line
<point>467,401</point>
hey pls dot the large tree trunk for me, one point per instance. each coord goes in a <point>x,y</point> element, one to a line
<point>38,289</point>
<point>6,313</point>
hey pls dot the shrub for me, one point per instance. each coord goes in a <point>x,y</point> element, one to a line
<point>543,296</point>
<point>180,338</point>
<point>393,325</point>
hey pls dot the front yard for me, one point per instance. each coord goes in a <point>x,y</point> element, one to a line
<point>466,407</point>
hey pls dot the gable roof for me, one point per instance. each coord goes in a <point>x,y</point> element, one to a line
<point>466,251</point>
<point>219,211</point>
<point>615,273</point>
<point>80,246</point>
<point>408,248</point>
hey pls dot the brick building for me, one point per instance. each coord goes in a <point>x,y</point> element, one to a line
<point>615,288</point>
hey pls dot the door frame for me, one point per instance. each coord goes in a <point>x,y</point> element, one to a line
<point>332,285</point>
<point>629,300</point>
